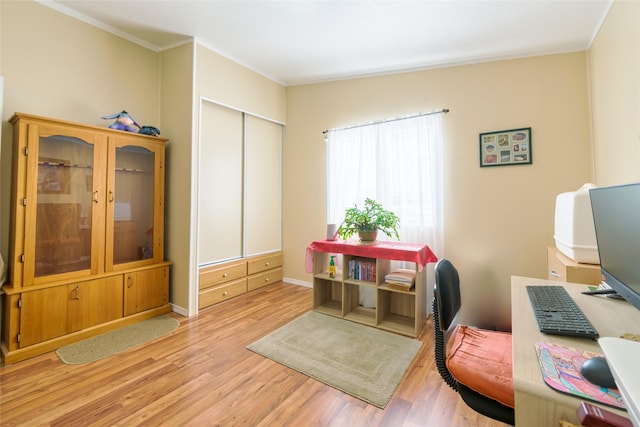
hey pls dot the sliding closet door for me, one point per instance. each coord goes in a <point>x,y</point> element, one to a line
<point>263,232</point>
<point>220,184</point>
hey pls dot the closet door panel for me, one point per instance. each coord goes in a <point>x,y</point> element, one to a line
<point>220,184</point>
<point>263,198</point>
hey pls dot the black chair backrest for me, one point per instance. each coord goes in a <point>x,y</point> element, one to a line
<point>446,304</point>
<point>447,292</point>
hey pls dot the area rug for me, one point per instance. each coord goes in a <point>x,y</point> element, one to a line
<point>362,361</point>
<point>112,342</point>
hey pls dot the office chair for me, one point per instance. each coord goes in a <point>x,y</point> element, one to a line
<point>479,364</point>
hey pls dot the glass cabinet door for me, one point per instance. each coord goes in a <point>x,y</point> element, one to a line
<point>132,197</point>
<point>65,199</point>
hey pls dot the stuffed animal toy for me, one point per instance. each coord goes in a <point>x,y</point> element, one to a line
<point>123,121</point>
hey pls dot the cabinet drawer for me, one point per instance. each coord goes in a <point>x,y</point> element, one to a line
<point>221,293</point>
<point>555,267</point>
<point>563,269</point>
<point>264,279</point>
<point>217,274</point>
<point>263,263</point>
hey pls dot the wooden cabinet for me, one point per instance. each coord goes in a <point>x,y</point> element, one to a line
<point>240,204</point>
<point>146,289</point>
<point>219,282</point>
<point>222,281</point>
<point>222,292</point>
<point>87,220</point>
<point>264,270</point>
<point>263,279</point>
<point>390,309</point>
<point>56,311</point>
<point>94,302</point>
<point>563,269</point>
<point>43,314</point>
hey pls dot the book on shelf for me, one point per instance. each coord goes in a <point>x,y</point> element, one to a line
<point>400,286</point>
<point>362,270</point>
<point>402,278</point>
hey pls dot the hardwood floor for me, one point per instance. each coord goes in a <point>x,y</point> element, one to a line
<point>202,375</point>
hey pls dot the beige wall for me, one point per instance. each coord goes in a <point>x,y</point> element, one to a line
<point>176,116</point>
<point>223,81</point>
<point>615,93</point>
<point>498,220</point>
<point>57,66</point>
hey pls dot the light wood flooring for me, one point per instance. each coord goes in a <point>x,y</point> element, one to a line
<point>202,375</point>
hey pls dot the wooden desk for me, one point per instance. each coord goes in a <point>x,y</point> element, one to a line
<point>537,404</point>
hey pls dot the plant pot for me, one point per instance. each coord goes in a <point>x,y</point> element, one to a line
<point>368,236</point>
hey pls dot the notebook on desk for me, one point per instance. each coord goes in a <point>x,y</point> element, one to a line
<point>560,367</point>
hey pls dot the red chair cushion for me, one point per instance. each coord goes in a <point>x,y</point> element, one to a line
<point>482,360</point>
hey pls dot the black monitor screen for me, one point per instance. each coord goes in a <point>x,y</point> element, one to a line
<point>616,216</point>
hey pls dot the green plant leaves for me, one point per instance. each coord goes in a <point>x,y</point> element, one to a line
<point>371,217</point>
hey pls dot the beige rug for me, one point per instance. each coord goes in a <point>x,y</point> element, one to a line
<point>112,342</point>
<point>359,360</point>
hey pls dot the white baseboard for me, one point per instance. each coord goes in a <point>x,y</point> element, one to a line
<point>297,282</point>
<point>184,312</point>
<point>180,310</point>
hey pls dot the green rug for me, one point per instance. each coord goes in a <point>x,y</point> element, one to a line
<point>112,342</point>
<point>359,360</point>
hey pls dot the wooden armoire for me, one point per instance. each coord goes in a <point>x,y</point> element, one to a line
<point>86,242</point>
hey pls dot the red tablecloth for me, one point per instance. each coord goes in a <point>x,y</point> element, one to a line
<point>413,252</point>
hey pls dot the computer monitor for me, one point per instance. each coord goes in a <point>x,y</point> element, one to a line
<point>616,216</point>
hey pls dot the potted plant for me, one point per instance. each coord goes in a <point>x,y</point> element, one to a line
<point>368,221</point>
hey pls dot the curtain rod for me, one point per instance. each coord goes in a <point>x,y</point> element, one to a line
<point>442,111</point>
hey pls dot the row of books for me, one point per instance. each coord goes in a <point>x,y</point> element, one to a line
<point>402,278</point>
<point>362,270</point>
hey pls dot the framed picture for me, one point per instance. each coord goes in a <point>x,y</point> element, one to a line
<point>505,147</point>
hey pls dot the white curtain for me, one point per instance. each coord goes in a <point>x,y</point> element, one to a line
<point>399,164</point>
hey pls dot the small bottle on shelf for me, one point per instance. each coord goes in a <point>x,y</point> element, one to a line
<point>332,267</point>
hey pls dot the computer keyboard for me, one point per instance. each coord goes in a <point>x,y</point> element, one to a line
<point>558,314</point>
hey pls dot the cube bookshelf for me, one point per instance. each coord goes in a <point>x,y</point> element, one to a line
<point>400,311</point>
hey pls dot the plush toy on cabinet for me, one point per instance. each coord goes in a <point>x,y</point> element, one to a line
<point>124,121</point>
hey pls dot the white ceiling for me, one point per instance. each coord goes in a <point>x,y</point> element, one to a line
<point>304,41</point>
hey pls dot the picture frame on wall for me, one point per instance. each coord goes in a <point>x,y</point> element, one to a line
<point>506,147</point>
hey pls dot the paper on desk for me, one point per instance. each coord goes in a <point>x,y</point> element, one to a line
<point>622,356</point>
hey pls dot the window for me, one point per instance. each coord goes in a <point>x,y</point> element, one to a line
<point>399,164</point>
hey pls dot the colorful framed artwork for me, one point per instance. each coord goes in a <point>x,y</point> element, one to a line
<point>506,147</point>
